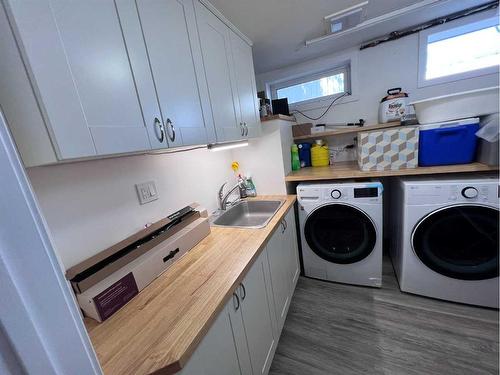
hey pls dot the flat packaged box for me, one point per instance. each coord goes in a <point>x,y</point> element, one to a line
<point>106,282</point>
<point>389,149</point>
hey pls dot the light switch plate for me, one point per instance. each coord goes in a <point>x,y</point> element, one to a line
<point>146,192</point>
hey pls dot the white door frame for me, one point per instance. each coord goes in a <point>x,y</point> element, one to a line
<point>38,313</point>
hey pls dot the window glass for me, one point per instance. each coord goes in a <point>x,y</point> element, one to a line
<point>460,50</point>
<point>313,89</point>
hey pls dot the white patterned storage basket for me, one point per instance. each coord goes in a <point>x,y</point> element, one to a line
<point>389,149</point>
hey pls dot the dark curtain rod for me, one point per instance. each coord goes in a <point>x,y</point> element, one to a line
<point>437,21</point>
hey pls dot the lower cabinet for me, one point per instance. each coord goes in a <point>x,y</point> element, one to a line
<point>284,267</point>
<point>252,319</point>
<point>216,354</point>
<point>243,338</point>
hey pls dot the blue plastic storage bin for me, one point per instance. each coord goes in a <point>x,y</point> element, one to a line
<point>452,142</point>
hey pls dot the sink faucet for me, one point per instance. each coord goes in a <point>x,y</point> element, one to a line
<point>224,197</point>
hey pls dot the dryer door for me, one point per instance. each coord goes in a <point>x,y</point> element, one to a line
<point>340,233</point>
<point>459,242</point>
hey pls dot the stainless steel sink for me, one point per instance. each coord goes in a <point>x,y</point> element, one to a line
<point>248,214</point>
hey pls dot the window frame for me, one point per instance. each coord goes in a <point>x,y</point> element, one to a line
<point>464,23</point>
<point>343,68</point>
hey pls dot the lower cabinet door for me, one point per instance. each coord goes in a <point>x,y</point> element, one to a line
<point>291,242</point>
<point>257,316</point>
<point>216,354</point>
<point>279,265</point>
<point>240,337</point>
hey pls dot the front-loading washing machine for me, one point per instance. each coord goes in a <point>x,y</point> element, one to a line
<point>341,231</point>
<point>445,240</point>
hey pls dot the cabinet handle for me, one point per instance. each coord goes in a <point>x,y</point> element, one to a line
<point>172,138</point>
<point>282,227</point>
<point>286,224</point>
<point>244,291</point>
<point>246,128</point>
<point>237,302</point>
<point>242,129</point>
<point>159,125</point>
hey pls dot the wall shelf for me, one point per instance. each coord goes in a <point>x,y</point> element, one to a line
<point>350,169</point>
<point>278,117</point>
<point>347,130</point>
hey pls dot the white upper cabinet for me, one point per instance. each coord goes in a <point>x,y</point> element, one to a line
<point>217,60</point>
<point>173,47</point>
<point>80,66</point>
<point>246,86</point>
<point>123,76</point>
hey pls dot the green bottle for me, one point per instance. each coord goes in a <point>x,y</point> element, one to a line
<point>295,158</point>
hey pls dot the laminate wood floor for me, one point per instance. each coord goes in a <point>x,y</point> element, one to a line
<point>341,329</point>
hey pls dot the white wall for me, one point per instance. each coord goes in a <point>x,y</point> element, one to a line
<point>392,64</point>
<point>91,205</point>
<point>268,158</point>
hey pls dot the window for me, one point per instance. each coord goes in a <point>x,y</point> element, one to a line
<point>462,50</point>
<point>309,88</point>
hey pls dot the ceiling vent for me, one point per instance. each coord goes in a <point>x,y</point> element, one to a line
<point>345,19</point>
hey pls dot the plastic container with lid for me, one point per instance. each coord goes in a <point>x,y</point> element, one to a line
<point>393,106</point>
<point>451,142</point>
<point>320,154</point>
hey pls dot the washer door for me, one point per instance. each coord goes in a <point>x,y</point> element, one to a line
<point>459,242</point>
<point>340,233</point>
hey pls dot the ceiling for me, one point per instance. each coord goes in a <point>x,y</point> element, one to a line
<point>279,28</point>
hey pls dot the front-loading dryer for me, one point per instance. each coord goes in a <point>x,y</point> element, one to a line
<point>341,231</point>
<point>445,240</point>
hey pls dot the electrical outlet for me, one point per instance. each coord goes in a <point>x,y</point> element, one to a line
<point>146,192</point>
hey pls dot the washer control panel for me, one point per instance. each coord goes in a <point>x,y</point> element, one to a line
<point>467,192</point>
<point>366,192</point>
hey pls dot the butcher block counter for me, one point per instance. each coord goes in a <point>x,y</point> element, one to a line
<point>158,330</point>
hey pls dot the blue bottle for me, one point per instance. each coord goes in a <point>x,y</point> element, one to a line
<point>305,154</point>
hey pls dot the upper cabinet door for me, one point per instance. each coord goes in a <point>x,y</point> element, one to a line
<point>245,84</point>
<point>82,71</point>
<point>172,42</point>
<point>217,60</point>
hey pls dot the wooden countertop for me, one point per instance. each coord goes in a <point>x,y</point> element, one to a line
<point>350,169</point>
<point>158,330</point>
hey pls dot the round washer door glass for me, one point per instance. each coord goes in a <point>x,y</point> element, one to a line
<point>459,242</point>
<point>340,233</point>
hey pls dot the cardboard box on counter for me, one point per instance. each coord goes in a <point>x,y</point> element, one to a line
<point>107,281</point>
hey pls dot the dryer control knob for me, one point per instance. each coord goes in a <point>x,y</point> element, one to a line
<point>336,194</point>
<point>469,192</point>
